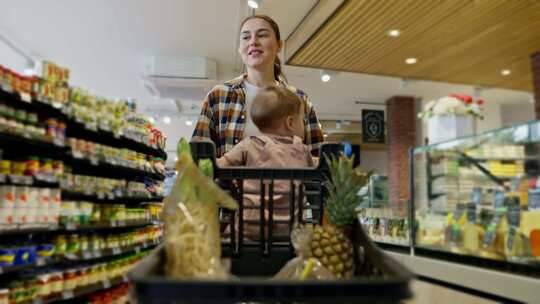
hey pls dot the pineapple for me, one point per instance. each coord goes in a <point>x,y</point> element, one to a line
<point>330,244</point>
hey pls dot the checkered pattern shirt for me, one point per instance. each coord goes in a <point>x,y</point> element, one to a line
<point>223,116</point>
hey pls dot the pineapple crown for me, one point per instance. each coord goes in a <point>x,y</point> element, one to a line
<point>343,185</point>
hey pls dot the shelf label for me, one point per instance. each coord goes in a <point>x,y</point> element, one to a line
<point>87,255</point>
<point>68,294</point>
<point>114,224</point>
<point>122,224</point>
<point>26,97</point>
<point>116,251</point>
<point>137,249</point>
<point>97,254</point>
<point>2,178</point>
<point>41,262</point>
<point>110,196</point>
<point>101,195</point>
<point>125,278</point>
<point>71,226</point>
<point>106,284</point>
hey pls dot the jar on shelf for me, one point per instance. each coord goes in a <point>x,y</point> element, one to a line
<point>56,281</point>
<point>17,291</point>
<point>4,296</point>
<point>43,285</point>
<point>73,244</point>
<point>32,166</point>
<point>70,279</point>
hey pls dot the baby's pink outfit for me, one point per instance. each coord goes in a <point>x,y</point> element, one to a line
<point>269,151</point>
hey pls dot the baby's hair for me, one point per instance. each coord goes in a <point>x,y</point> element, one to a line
<point>273,104</point>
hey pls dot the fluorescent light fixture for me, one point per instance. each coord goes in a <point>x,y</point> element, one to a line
<point>506,72</point>
<point>411,60</point>
<point>189,122</point>
<point>254,4</point>
<point>166,120</point>
<point>393,33</point>
<point>325,76</point>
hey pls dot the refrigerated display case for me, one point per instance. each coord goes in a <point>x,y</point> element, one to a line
<point>477,199</point>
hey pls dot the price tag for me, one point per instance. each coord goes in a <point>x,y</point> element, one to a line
<point>110,196</point>
<point>116,251</point>
<point>106,284</point>
<point>122,224</point>
<point>101,195</point>
<point>145,244</point>
<point>37,301</point>
<point>125,278</point>
<point>97,254</point>
<point>118,192</point>
<point>41,262</point>
<point>87,255</point>
<point>68,294</point>
<point>2,178</point>
<point>114,223</point>
<point>137,249</point>
<point>71,226</point>
<point>94,161</point>
<point>26,97</point>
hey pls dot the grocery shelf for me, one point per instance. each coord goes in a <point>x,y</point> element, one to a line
<point>83,257</point>
<point>75,196</point>
<point>45,109</point>
<point>31,181</point>
<point>77,228</point>
<point>91,255</point>
<point>81,291</point>
<point>28,146</point>
<point>101,169</point>
<point>78,130</point>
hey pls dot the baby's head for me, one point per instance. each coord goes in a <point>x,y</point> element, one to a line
<point>278,111</point>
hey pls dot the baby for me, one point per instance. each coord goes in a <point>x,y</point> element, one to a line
<point>279,115</point>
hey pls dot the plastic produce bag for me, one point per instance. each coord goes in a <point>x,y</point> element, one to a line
<point>303,267</point>
<point>192,240</point>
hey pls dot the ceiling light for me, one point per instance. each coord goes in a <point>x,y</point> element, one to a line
<point>325,135</point>
<point>254,3</point>
<point>176,159</point>
<point>506,72</point>
<point>166,120</point>
<point>325,76</point>
<point>410,60</point>
<point>394,33</point>
<point>189,122</point>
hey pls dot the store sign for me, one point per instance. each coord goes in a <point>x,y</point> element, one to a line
<point>373,127</point>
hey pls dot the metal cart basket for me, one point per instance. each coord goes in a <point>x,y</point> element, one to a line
<point>378,278</point>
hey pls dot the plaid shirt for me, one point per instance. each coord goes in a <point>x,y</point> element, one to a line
<point>223,116</point>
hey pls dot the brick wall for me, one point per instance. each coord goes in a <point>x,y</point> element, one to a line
<point>401,132</point>
<point>535,62</point>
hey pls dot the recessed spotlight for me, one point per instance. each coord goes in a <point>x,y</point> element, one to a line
<point>411,60</point>
<point>325,76</point>
<point>166,120</point>
<point>506,72</point>
<point>254,3</point>
<point>393,33</point>
<point>189,122</point>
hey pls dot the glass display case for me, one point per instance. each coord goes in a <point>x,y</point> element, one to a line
<point>385,223</point>
<point>479,196</point>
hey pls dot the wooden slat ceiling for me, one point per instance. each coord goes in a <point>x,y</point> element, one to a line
<point>456,41</point>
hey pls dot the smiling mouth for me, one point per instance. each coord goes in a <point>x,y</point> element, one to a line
<point>255,52</point>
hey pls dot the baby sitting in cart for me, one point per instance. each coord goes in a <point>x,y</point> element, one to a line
<point>279,115</point>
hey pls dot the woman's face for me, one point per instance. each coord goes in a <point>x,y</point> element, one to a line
<point>258,43</point>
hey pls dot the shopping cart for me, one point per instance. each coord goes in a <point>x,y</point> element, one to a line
<point>379,279</point>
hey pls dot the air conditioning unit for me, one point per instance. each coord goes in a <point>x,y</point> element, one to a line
<point>183,78</point>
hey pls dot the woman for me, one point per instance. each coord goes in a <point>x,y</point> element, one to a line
<point>224,116</point>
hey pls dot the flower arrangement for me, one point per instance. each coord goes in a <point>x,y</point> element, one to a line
<point>453,104</point>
